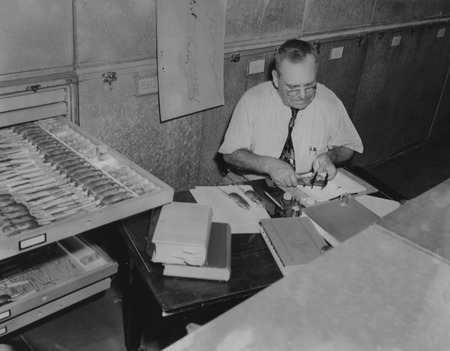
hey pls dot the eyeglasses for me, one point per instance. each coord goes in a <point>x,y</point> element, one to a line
<point>309,89</point>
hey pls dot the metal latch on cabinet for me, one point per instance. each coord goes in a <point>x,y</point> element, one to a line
<point>109,77</point>
<point>33,88</point>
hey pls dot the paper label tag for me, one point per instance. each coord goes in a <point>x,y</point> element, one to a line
<point>35,240</point>
<point>5,314</point>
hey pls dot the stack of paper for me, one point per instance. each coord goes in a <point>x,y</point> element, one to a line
<point>226,210</point>
<point>182,234</point>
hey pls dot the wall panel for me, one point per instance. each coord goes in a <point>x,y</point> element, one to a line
<point>378,96</point>
<point>423,85</point>
<point>255,19</point>
<point>324,15</point>
<point>35,35</point>
<point>389,11</point>
<point>342,75</point>
<point>399,91</point>
<point>115,30</point>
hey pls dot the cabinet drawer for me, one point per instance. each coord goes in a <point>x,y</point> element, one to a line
<point>45,275</point>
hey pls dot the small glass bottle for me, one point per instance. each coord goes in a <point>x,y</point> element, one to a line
<point>291,207</point>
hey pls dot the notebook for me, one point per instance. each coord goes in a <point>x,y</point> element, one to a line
<point>218,262</point>
<point>182,234</point>
<point>293,241</point>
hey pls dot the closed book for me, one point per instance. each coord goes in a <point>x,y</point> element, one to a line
<point>218,262</point>
<point>293,241</point>
<point>182,234</point>
<point>340,223</point>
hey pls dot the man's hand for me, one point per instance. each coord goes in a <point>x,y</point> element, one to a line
<point>328,161</point>
<point>281,173</point>
<point>324,164</point>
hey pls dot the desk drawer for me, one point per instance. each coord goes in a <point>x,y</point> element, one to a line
<point>66,271</point>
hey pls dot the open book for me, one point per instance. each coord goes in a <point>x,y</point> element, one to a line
<point>339,185</point>
<point>293,241</point>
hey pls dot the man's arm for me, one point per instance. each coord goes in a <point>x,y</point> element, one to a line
<point>279,171</point>
<point>340,155</point>
<point>328,161</point>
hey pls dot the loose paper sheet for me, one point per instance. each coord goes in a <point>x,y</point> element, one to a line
<point>225,210</point>
<point>380,206</point>
<point>191,36</point>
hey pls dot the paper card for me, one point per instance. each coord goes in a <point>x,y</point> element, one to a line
<point>225,210</point>
<point>379,206</point>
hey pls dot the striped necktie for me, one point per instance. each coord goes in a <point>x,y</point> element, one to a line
<point>288,150</point>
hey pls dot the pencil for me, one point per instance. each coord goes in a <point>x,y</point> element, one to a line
<point>273,200</point>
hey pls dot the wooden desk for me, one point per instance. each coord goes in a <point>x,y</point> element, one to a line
<point>252,265</point>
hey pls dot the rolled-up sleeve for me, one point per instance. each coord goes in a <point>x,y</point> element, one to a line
<point>345,133</point>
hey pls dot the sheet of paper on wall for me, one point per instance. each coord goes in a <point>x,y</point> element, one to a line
<point>338,185</point>
<point>226,210</point>
<point>191,37</point>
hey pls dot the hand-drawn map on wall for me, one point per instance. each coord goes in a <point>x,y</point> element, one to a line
<point>191,36</point>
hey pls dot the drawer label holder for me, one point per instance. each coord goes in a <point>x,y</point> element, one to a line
<point>33,241</point>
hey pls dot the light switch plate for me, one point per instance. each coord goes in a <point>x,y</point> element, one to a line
<point>146,85</point>
<point>396,39</point>
<point>440,33</point>
<point>256,66</point>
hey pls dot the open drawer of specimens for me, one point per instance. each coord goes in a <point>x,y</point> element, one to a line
<point>56,181</point>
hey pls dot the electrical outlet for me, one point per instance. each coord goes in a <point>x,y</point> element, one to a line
<point>147,85</point>
<point>336,53</point>
<point>396,39</point>
<point>440,33</point>
<point>256,66</point>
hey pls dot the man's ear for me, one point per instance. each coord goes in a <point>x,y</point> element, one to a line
<point>275,78</point>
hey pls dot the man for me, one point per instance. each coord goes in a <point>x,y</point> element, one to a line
<point>258,142</point>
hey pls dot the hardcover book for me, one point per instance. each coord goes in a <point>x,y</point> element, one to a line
<point>338,223</point>
<point>218,262</point>
<point>293,241</point>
